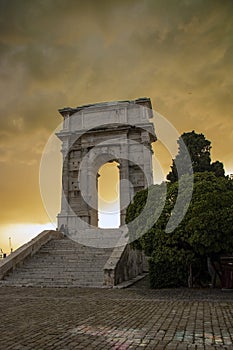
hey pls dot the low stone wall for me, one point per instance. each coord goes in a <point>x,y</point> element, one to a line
<point>124,264</point>
<point>17,257</point>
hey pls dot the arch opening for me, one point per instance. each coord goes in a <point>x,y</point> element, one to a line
<point>108,186</point>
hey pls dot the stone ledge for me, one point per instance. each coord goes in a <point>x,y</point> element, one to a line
<point>129,283</point>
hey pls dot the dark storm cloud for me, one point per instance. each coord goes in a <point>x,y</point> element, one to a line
<point>56,53</point>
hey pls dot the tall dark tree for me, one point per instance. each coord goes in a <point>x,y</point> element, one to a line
<point>218,169</point>
<point>199,151</point>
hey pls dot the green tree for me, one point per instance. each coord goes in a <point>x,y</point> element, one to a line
<point>205,232</point>
<point>199,150</point>
<point>217,168</point>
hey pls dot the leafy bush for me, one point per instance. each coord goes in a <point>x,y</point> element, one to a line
<point>164,273</point>
<point>178,258</point>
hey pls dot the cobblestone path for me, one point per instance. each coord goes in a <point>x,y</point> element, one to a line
<point>133,318</point>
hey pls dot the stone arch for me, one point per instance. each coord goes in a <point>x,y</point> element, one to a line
<point>93,135</point>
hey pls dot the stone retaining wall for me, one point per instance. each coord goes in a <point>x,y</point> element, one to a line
<point>124,264</point>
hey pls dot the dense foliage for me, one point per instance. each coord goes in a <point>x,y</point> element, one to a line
<point>179,258</point>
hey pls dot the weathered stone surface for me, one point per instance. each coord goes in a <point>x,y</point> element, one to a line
<point>133,318</point>
<point>93,135</point>
<point>65,263</point>
<point>18,257</point>
<point>61,263</point>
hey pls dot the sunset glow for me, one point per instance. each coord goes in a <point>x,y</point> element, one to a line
<point>15,235</point>
<point>53,55</point>
<point>108,195</point>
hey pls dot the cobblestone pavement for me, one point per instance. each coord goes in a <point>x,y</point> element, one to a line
<point>133,318</point>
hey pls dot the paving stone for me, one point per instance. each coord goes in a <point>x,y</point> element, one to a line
<point>133,318</point>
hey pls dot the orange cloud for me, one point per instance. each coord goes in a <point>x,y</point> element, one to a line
<point>56,54</point>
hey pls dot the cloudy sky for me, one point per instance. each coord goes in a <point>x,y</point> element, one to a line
<point>57,53</point>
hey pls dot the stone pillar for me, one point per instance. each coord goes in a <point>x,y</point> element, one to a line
<point>147,157</point>
<point>63,215</point>
<point>124,189</point>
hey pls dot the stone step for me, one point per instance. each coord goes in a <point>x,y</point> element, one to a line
<point>57,278</point>
<point>52,284</point>
<point>73,245</point>
<point>62,267</point>
<point>56,273</point>
<point>66,259</point>
<point>66,256</point>
<point>63,263</point>
<point>76,248</point>
<point>63,276</point>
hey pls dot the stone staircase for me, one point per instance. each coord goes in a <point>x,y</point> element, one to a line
<point>61,263</point>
